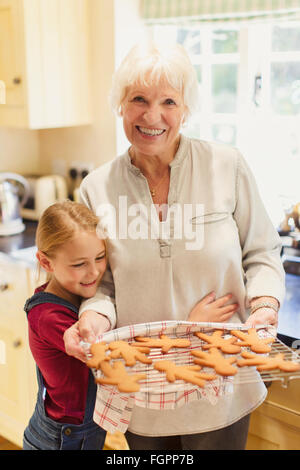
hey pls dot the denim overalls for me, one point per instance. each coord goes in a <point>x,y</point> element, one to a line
<point>43,433</point>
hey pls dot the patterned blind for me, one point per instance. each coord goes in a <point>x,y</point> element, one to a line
<point>219,10</point>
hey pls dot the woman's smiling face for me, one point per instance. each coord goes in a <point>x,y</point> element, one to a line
<point>152,117</point>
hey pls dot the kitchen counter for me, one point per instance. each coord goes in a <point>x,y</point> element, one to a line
<point>289,314</point>
<point>26,239</point>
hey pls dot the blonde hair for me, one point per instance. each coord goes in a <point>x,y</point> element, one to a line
<point>60,222</point>
<point>148,64</point>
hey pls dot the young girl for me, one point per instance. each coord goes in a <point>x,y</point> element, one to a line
<point>70,251</point>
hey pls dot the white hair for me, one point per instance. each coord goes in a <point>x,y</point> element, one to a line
<point>148,64</point>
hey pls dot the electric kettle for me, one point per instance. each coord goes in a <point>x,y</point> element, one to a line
<point>12,198</point>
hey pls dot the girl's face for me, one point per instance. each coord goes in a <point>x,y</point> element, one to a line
<point>152,117</point>
<point>79,265</point>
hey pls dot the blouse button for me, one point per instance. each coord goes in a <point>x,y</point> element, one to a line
<point>165,250</point>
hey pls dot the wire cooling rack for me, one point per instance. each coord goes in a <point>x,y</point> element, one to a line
<point>245,374</point>
<point>156,382</point>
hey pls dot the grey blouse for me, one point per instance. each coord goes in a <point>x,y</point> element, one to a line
<point>217,236</point>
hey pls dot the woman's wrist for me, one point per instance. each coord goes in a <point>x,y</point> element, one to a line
<point>263,302</point>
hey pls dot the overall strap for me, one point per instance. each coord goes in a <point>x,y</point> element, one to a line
<point>47,298</point>
<point>90,399</point>
<point>38,299</point>
<point>41,389</point>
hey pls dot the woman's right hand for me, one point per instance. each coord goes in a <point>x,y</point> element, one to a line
<point>210,309</point>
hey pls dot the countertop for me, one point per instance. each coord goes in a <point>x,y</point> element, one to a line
<point>26,239</point>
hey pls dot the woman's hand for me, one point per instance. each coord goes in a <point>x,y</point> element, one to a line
<point>263,316</point>
<point>211,310</point>
<point>89,326</point>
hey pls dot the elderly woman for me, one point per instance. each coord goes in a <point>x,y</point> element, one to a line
<point>235,254</point>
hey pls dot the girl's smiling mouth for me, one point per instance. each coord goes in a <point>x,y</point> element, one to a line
<point>89,284</point>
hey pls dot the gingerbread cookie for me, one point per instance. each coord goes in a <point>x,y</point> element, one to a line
<point>215,359</point>
<point>129,353</point>
<point>163,342</point>
<point>267,362</point>
<point>98,351</point>
<point>228,346</point>
<point>251,338</point>
<point>116,374</point>
<point>187,373</point>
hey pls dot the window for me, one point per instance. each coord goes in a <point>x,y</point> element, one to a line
<point>249,81</point>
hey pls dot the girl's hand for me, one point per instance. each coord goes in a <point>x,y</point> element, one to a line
<point>72,343</point>
<point>211,310</point>
<point>89,326</point>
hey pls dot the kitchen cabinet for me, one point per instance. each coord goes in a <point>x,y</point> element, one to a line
<point>44,62</point>
<point>10,54</point>
<point>18,385</point>
<point>275,425</point>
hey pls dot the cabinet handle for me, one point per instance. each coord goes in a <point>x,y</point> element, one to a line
<point>4,286</point>
<point>17,81</point>
<point>17,343</point>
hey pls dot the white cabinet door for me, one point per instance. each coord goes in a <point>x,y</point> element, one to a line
<point>44,62</point>
<point>18,385</point>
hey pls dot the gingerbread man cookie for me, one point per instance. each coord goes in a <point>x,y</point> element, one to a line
<point>251,338</point>
<point>187,373</point>
<point>116,374</point>
<point>267,362</point>
<point>129,353</point>
<point>98,351</point>
<point>228,346</point>
<point>163,342</point>
<point>215,359</point>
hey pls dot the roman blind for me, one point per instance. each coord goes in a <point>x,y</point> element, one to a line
<point>219,10</point>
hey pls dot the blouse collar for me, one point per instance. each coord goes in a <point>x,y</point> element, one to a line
<point>177,160</point>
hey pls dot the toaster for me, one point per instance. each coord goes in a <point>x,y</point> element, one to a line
<point>43,191</point>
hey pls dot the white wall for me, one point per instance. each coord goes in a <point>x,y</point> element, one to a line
<point>19,150</point>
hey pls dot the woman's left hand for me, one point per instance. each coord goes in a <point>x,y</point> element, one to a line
<point>263,316</point>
